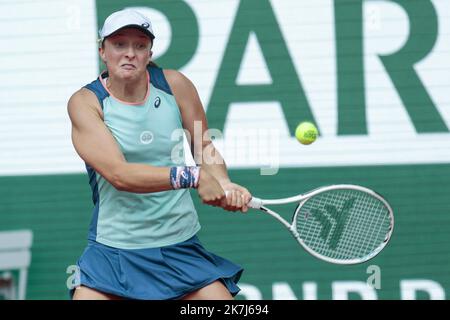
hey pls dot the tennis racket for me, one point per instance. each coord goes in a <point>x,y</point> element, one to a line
<point>341,224</point>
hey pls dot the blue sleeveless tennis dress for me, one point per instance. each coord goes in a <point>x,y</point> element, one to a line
<point>144,246</point>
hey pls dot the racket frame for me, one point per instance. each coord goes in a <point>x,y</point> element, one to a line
<point>257,203</point>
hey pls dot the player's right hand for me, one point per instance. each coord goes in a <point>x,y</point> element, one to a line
<point>209,189</point>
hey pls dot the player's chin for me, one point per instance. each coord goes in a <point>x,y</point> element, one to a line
<point>128,74</point>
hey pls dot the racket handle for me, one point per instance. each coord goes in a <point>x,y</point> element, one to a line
<point>255,203</point>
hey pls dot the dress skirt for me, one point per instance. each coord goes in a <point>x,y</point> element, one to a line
<point>168,272</point>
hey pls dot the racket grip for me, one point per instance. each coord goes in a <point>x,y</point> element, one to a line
<point>255,203</point>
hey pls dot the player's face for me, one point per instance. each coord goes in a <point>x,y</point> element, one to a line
<point>127,53</point>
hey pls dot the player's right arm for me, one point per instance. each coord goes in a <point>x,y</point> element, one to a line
<point>95,144</point>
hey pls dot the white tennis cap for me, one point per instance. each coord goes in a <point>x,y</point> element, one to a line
<point>126,18</point>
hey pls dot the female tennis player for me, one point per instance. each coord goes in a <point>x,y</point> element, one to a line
<point>142,241</point>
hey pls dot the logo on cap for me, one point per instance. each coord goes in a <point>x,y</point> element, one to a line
<point>145,25</point>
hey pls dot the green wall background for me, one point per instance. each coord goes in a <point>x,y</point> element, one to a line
<point>57,209</point>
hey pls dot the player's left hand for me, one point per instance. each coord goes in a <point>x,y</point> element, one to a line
<point>237,197</point>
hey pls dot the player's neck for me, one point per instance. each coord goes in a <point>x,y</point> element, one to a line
<point>129,91</point>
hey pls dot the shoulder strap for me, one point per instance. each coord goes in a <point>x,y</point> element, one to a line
<point>97,88</point>
<point>158,80</point>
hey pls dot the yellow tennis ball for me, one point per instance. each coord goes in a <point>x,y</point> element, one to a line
<point>306,133</point>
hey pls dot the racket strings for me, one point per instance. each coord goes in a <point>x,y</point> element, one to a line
<point>343,224</point>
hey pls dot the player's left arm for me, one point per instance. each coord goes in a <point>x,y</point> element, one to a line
<point>202,148</point>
